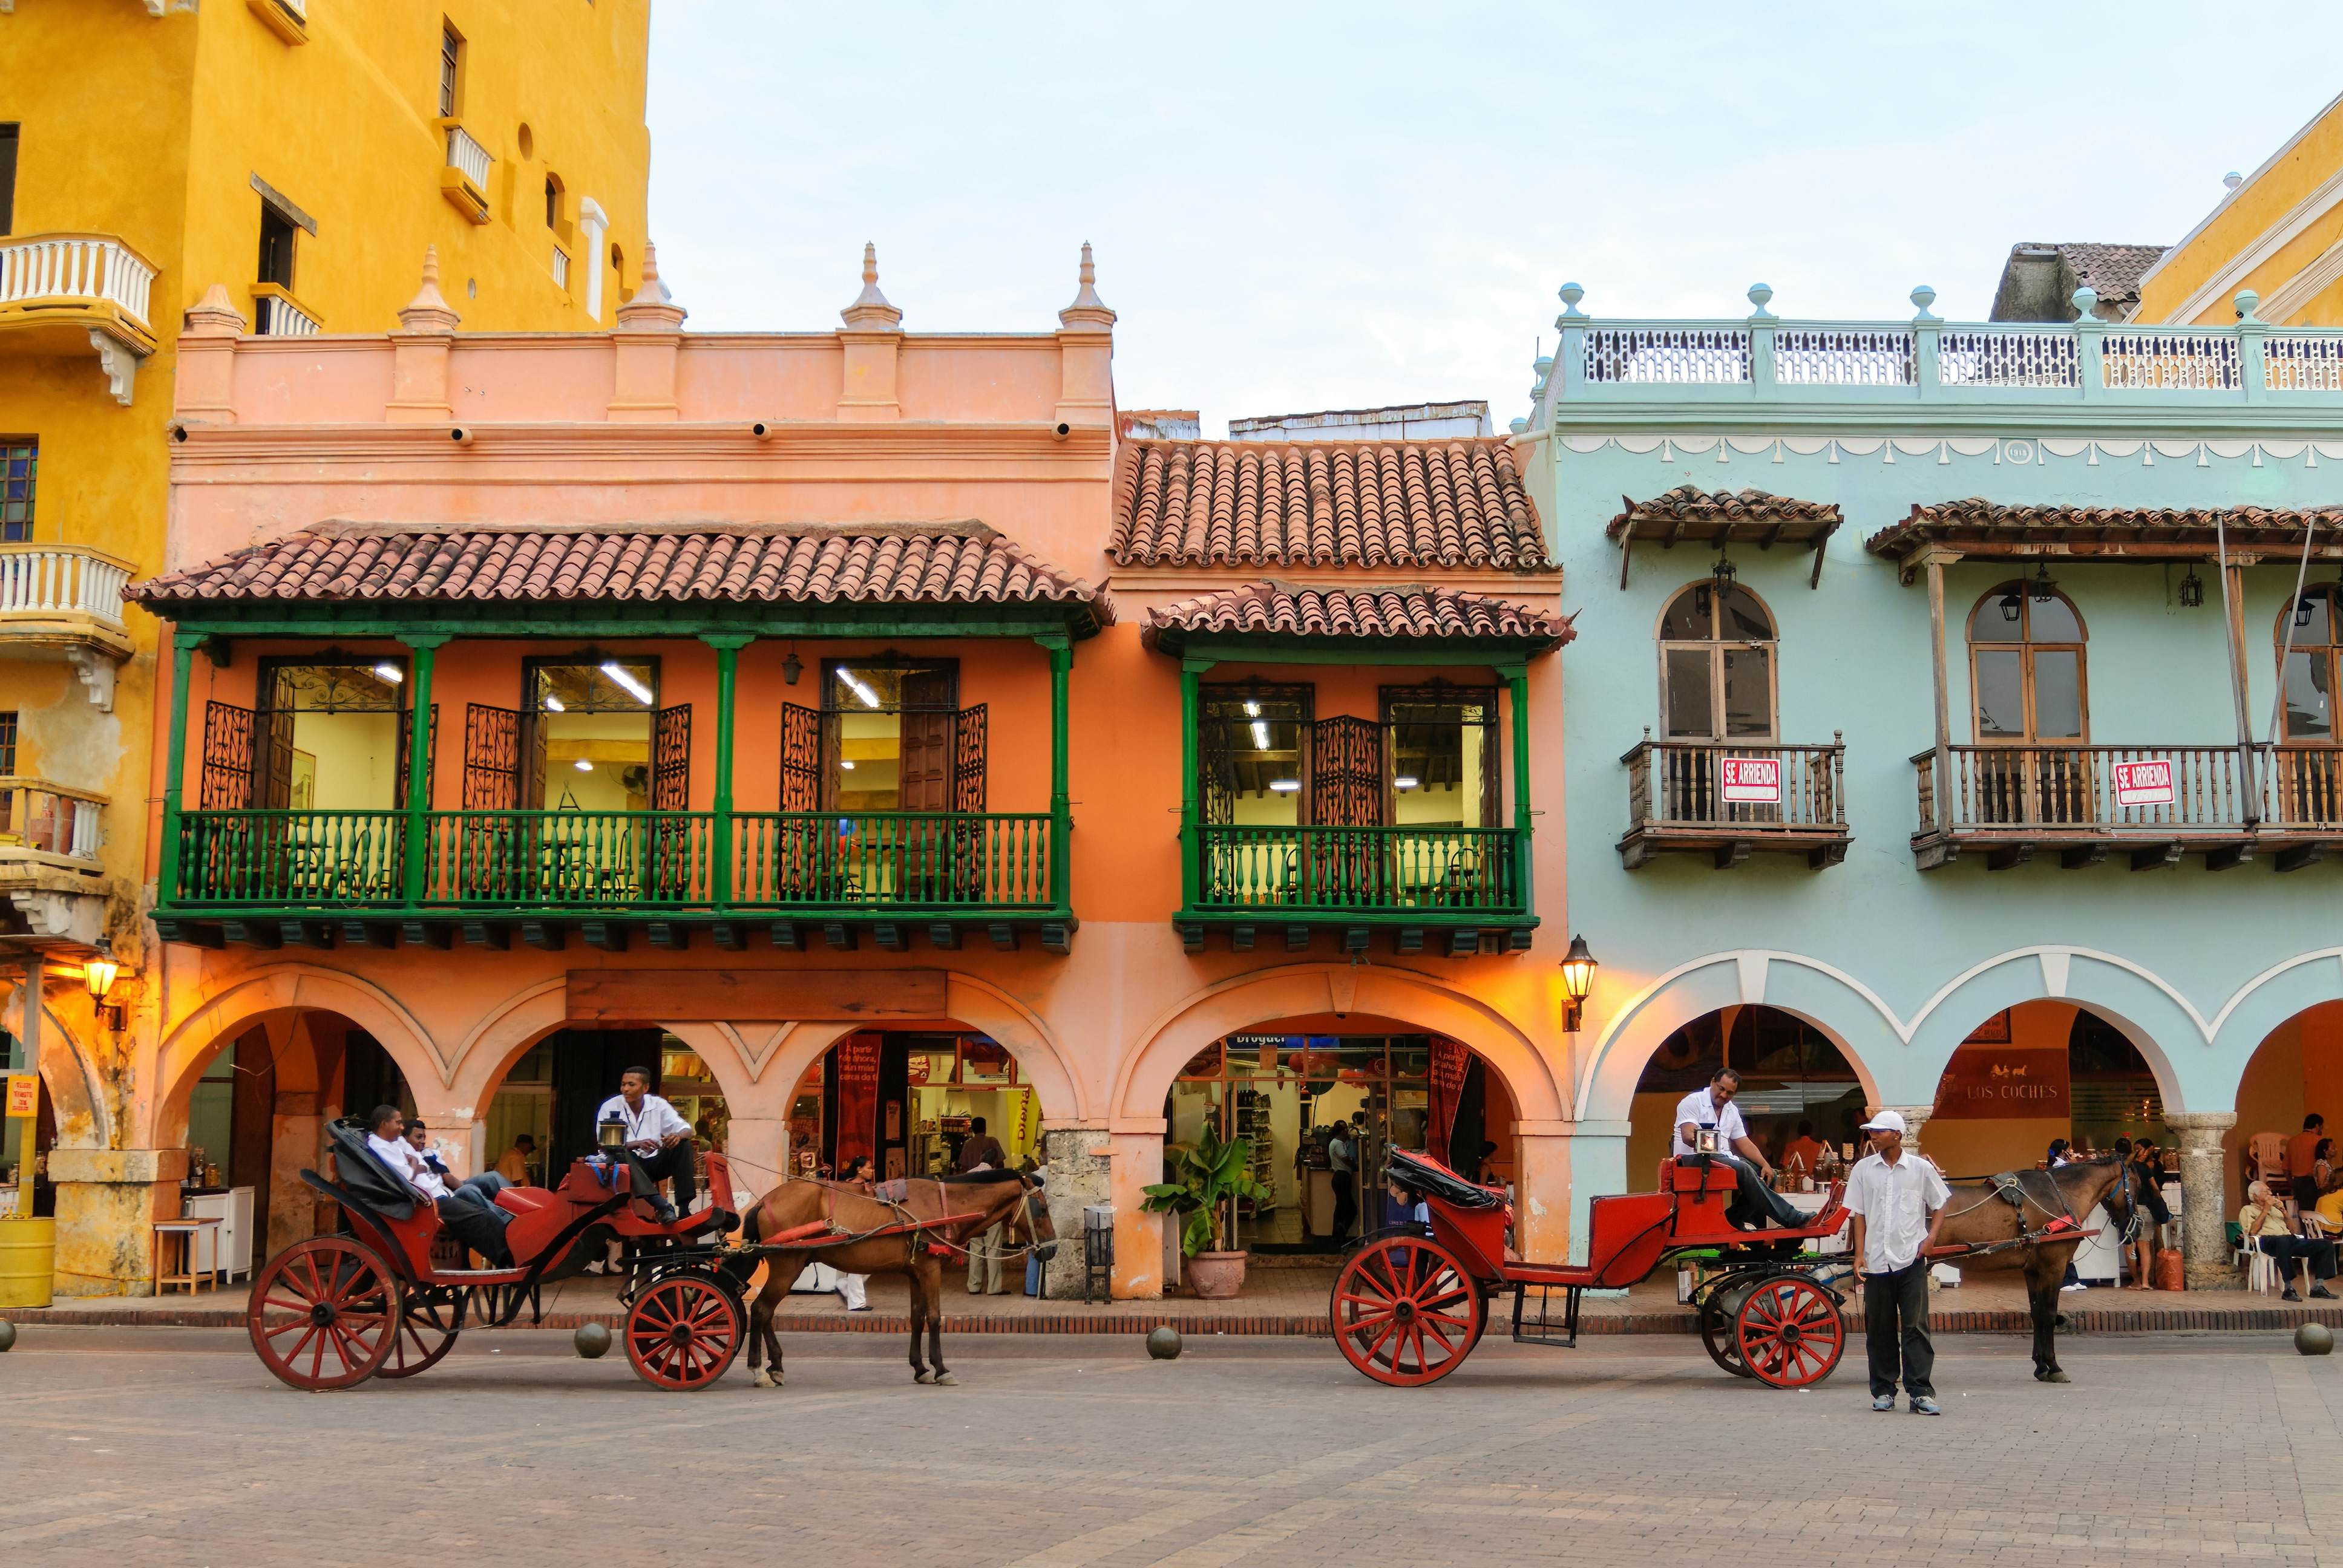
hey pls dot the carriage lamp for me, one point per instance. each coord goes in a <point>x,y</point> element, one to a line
<point>1722,574</point>
<point>1578,967</point>
<point>2304,607</point>
<point>2012,604</point>
<point>610,1137</point>
<point>97,973</point>
<point>2192,591</point>
<point>2043,588</point>
<point>792,667</point>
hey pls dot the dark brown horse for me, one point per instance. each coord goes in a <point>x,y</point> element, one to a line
<point>1976,1215</point>
<point>991,1197</point>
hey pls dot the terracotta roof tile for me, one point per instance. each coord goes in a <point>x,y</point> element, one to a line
<point>1412,610</point>
<point>1409,504</point>
<point>2094,529</point>
<point>954,562</point>
<point>1700,512</point>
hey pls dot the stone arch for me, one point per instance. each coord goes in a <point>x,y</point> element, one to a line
<point>75,1088</point>
<point>1231,1006</point>
<point>191,1043</point>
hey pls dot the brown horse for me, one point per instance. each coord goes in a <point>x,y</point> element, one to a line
<point>1977,1216</point>
<point>991,1197</point>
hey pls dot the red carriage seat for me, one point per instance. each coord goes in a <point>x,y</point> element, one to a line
<point>1681,1173</point>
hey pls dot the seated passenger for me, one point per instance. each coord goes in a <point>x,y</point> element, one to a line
<point>468,1208</point>
<point>1712,1110</point>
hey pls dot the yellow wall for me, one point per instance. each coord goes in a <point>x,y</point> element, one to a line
<point>151,129</point>
<point>2262,209</point>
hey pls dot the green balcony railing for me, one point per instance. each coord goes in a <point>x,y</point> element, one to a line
<point>1412,872</point>
<point>605,862</point>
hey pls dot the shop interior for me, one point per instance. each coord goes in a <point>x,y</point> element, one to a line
<point>910,1099</point>
<point>590,728</point>
<point>553,1090</point>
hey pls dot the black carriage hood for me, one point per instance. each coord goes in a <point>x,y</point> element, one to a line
<point>1427,1175</point>
<point>364,1175</point>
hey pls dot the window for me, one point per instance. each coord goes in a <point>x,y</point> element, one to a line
<point>276,232</point>
<point>552,202</point>
<point>591,723</point>
<point>1251,742</point>
<point>451,67</point>
<point>2317,625</point>
<point>1444,756</point>
<point>7,744</point>
<point>2026,665</point>
<point>20,462</point>
<point>895,732</point>
<point>335,735</point>
<point>7,180</point>
<point>1716,665</point>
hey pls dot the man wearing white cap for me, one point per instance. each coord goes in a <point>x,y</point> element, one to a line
<point>1898,1203</point>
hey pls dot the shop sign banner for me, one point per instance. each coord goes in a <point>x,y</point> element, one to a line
<point>24,1094</point>
<point>2144,783</point>
<point>858,1094</point>
<point>1752,781</point>
<point>1999,1081</point>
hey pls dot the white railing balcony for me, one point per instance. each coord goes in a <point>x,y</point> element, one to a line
<point>467,157</point>
<point>45,824</point>
<point>560,267</point>
<point>1766,359</point>
<point>53,582</point>
<point>40,272</point>
<point>276,314</point>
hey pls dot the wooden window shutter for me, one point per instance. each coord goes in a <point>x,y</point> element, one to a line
<point>800,759</point>
<point>229,733</point>
<point>1346,773</point>
<point>671,758</point>
<point>491,759</point>
<point>968,759</point>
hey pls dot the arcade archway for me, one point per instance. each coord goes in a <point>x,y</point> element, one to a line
<point>1800,1093</point>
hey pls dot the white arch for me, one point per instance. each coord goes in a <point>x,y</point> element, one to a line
<point>1235,1004</point>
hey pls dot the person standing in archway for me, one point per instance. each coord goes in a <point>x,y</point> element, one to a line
<point>1712,1110</point>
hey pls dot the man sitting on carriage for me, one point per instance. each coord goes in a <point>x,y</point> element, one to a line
<point>658,1141</point>
<point>1710,1111</point>
<point>467,1208</point>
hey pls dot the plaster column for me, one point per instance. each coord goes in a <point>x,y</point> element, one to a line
<point>1542,1188</point>
<point>1081,1174</point>
<point>108,1202</point>
<point>1136,1156</point>
<point>758,1149</point>
<point>1597,1152</point>
<point>297,1140</point>
<point>2204,1198</point>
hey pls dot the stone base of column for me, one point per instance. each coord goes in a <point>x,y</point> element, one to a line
<point>108,1202</point>
<point>1081,1174</point>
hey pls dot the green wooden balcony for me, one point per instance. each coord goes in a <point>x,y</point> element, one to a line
<point>1456,883</point>
<point>266,877</point>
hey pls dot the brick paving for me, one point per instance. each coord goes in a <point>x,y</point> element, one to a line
<point>173,1447</point>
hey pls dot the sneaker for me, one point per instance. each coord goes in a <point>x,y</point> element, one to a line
<point>1883,1401</point>
<point>1926,1404</point>
<point>2064,1289</point>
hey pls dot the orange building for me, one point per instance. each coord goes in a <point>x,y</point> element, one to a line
<point>853,720</point>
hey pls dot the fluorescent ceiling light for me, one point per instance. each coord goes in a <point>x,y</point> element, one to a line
<point>584,766</point>
<point>1405,781</point>
<point>847,763</point>
<point>1286,786</point>
<point>869,698</point>
<point>553,703</point>
<point>391,672</point>
<point>1252,710</point>
<point>628,680</point>
<point>1261,734</point>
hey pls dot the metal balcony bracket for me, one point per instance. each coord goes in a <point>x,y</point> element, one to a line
<point>2074,856</point>
<point>481,934</point>
<point>2156,858</point>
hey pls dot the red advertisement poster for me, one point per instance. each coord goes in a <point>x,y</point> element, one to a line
<point>1449,1062</point>
<point>858,1096</point>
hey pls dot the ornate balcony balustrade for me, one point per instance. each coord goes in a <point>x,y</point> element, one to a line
<point>1728,799</point>
<point>64,294</point>
<point>2156,803</point>
<point>1455,879</point>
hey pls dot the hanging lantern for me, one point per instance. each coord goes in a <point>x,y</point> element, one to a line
<point>1721,575</point>
<point>791,667</point>
<point>2192,591</point>
<point>2045,591</point>
<point>2303,610</point>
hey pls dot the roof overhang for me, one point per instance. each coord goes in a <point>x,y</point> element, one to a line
<point>1688,515</point>
<point>1977,529</point>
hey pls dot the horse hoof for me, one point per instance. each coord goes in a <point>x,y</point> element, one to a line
<point>923,1377</point>
<point>2054,1376</point>
<point>766,1379</point>
<point>946,1380</point>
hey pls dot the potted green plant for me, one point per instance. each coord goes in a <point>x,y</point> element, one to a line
<point>1213,1175</point>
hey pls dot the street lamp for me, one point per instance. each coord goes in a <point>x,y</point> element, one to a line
<point>1578,967</point>
<point>98,972</point>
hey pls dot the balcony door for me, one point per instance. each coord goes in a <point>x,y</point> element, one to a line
<point>2310,765</point>
<point>2030,692</point>
<point>1718,685</point>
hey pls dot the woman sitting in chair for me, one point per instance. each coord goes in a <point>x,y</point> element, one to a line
<point>2263,1225</point>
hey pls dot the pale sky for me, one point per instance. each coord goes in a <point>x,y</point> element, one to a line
<point>1302,208</point>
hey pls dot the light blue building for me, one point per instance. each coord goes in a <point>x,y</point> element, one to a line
<point>1924,682</point>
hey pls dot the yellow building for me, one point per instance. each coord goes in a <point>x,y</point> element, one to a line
<point>2277,231</point>
<point>304,153</point>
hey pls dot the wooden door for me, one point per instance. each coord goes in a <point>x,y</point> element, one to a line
<point>924,774</point>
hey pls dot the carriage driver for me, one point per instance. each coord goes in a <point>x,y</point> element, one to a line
<point>1711,1108</point>
<point>658,1140</point>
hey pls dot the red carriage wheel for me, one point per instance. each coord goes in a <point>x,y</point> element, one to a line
<point>431,1318</point>
<point>324,1314</point>
<point>1789,1332</point>
<point>683,1331</point>
<point>1405,1313</point>
<point>1723,1344</point>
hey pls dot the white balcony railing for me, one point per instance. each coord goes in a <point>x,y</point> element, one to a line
<point>467,157</point>
<point>70,267</point>
<point>46,580</point>
<point>278,317</point>
<point>560,267</point>
<point>42,821</point>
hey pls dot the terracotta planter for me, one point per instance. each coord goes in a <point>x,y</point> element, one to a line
<point>1216,1276</point>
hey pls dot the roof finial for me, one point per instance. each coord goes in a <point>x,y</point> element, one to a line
<point>1088,309</point>
<point>215,315</point>
<point>870,309</point>
<point>651,308</point>
<point>428,311</point>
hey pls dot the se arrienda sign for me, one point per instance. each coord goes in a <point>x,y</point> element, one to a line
<point>2143,783</point>
<point>1752,781</point>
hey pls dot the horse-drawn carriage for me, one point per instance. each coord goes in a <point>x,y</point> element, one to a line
<point>1412,1301</point>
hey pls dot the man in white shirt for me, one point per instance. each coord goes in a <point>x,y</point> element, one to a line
<point>468,1208</point>
<point>1898,1203</point>
<point>658,1140</point>
<point>1712,1110</point>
